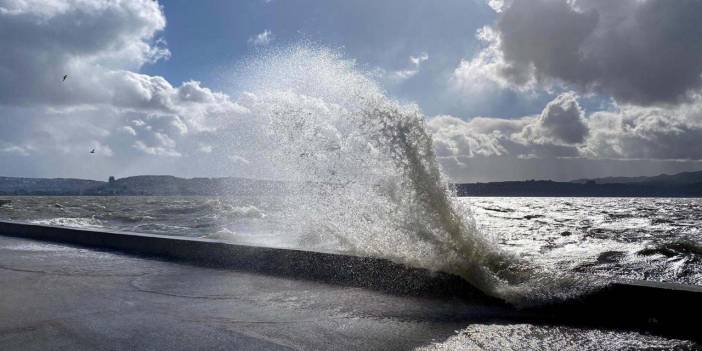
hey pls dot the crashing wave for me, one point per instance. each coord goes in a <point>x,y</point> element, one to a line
<point>370,182</point>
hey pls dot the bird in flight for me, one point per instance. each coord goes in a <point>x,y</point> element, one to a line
<point>64,77</point>
<point>92,151</point>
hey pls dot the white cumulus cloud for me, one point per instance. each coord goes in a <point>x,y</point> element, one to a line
<point>104,102</point>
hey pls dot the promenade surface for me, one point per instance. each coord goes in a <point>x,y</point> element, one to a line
<point>60,297</point>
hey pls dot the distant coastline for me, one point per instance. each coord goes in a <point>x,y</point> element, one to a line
<point>147,185</point>
<point>687,184</point>
<point>570,189</point>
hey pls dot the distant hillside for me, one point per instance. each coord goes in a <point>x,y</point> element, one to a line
<point>550,188</point>
<point>687,184</point>
<point>679,178</point>
<point>139,185</point>
<point>40,186</point>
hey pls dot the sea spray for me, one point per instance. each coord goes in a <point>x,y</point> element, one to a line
<point>369,182</point>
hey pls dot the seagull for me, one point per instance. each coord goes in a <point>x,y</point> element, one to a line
<point>64,77</point>
<point>92,151</point>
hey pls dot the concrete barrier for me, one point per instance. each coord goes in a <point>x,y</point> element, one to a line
<point>366,272</point>
<point>662,308</point>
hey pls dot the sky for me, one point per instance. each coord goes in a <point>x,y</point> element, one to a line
<point>510,90</point>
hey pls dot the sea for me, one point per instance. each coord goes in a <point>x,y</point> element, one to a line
<point>657,239</point>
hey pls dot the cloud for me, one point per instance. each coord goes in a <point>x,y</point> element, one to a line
<point>563,142</point>
<point>641,52</point>
<point>399,76</point>
<point>14,149</point>
<point>91,41</point>
<point>558,131</point>
<point>156,134</point>
<point>100,45</point>
<point>166,150</point>
<point>454,137</point>
<point>261,39</point>
<point>561,122</point>
<point>129,130</point>
<point>562,130</point>
<point>105,103</point>
<point>487,72</point>
<point>633,132</point>
<point>496,5</point>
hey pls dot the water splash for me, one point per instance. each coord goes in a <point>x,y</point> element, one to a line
<point>369,180</point>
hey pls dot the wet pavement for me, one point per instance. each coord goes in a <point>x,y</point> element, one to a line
<point>68,298</point>
<point>60,297</point>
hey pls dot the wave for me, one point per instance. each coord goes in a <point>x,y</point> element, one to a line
<point>177,208</point>
<point>161,228</point>
<point>120,217</point>
<point>211,206</point>
<point>80,222</point>
<point>370,180</point>
<point>674,249</point>
<point>249,211</point>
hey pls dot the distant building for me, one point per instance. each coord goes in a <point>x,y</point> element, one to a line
<point>111,180</point>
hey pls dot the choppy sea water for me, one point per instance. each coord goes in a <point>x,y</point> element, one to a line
<point>639,238</point>
<point>655,239</point>
<point>245,220</point>
<point>517,337</point>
